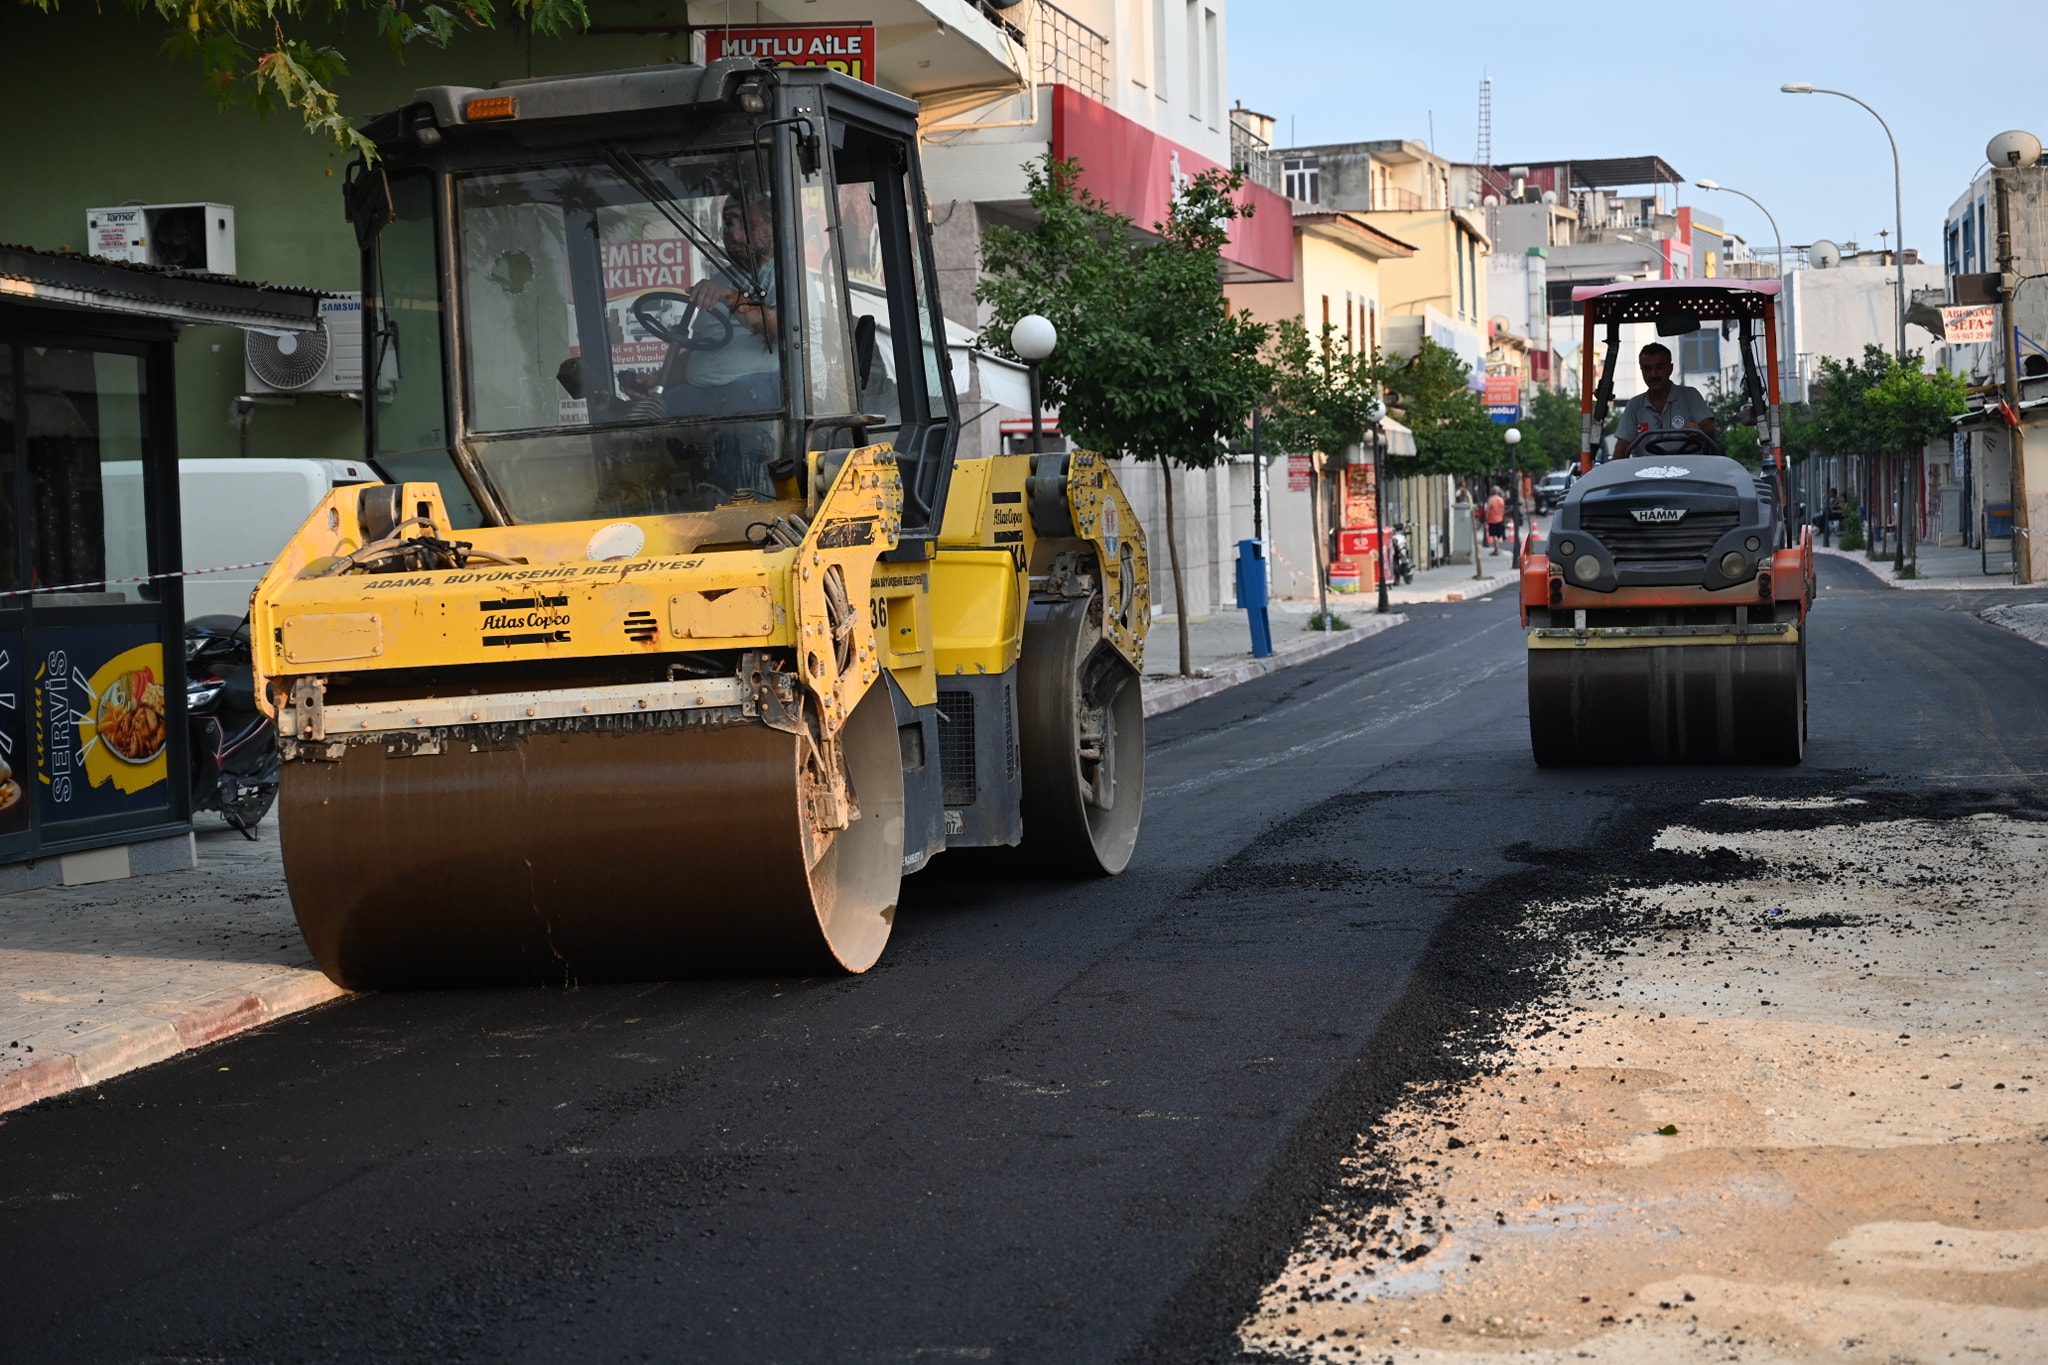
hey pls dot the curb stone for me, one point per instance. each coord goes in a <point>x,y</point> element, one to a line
<point>1171,693</point>
<point>108,1052</point>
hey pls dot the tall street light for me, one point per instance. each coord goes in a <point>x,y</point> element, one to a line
<point>1898,259</point>
<point>1716,185</point>
<point>1898,193</point>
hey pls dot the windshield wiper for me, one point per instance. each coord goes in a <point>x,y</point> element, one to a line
<point>635,173</point>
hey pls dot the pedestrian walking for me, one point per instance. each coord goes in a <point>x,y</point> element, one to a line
<point>1496,519</point>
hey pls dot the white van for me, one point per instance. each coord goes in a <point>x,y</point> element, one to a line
<point>231,512</point>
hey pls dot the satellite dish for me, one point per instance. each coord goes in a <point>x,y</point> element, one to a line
<point>2015,148</point>
<point>1491,201</point>
<point>1550,196</point>
<point>1823,255</point>
<point>1497,324</point>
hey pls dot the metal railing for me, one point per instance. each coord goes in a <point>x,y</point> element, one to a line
<point>1253,155</point>
<point>1071,53</point>
<point>1392,199</point>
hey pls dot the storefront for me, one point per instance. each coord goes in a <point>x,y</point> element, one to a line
<point>92,753</point>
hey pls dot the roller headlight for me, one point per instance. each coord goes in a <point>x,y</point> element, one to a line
<point>1567,549</point>
<point>1585,568</point>
<point>1732,564</point>
<point>1752,544</point>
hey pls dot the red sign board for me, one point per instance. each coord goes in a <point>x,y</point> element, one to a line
<point>1138,173</point>
<point>1503,390</point>
<point>1298,473</point>
<point>846,48</point>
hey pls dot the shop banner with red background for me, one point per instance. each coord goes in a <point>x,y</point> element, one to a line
<point>846,48</point>
<point>1137,172</point>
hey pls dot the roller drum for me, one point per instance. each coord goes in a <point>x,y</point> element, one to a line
<point>594,854</point>
<point>1668,704</point>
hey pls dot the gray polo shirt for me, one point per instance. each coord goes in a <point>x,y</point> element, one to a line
<point>1683,407</point>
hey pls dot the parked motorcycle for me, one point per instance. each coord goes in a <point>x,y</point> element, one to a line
<point>1402,569</point>
<point>233,745</point>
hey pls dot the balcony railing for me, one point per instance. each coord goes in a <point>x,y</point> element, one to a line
<point>1253,155</point>
<point>1393,199</point>
<point>1071,53</point>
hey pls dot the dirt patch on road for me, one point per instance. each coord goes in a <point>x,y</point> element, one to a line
<point>1797,1113</point>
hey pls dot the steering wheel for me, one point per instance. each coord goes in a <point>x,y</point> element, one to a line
<point>679,333</point>
<point>1679,441</point>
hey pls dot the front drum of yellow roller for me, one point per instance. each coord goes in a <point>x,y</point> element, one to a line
<point>593,854</point>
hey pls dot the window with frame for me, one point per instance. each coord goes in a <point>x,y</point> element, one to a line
<point>1302,179</point>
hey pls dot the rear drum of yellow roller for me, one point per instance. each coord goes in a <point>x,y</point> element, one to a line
<point>590,854</point>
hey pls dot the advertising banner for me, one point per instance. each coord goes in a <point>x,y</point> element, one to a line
<point>15,756</point>
<point>846,48</point>
<point>97,711</point>
<point>1970,325</point>
<point>1361,501</point>
<point>1299,474</point>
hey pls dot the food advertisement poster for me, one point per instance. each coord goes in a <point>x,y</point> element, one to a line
<point>15,760</point>
<point>1361,506</point>
<point>97,717</point>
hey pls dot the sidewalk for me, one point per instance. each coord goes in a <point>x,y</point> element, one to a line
<point>1219,646</point>
<point>1945,570</point>
<point>101,979</point>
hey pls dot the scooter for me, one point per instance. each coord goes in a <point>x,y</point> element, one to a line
<point>233,745</point>
<point>1402,570</point>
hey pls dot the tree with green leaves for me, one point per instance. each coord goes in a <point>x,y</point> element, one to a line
<point>253,52</point>
<point>1550,432</point>
<point>1433,391</point>
<point>1883,404</point>
<point>1740,440</point>
<point>1325,399</point>
<point>1152,362</point>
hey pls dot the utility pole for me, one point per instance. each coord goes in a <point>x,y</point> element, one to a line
<point>2008,285</point>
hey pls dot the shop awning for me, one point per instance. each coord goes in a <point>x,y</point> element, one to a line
<point>65,280</point>
<point>1400,440</point>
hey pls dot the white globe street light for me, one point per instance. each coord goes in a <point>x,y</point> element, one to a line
<point>1513,436</point>
<point>1034,338</point>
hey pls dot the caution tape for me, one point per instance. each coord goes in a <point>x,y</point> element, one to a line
<point>99,583</point>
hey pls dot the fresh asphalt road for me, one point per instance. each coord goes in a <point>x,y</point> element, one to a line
<point>1058,1123</point>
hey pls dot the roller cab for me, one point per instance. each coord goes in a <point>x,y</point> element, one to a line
<point>678,634</point>
<point>1665,608</point>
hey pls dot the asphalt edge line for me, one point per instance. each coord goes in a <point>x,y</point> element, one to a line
<point>127,1048</point>
<point>1173,695</point>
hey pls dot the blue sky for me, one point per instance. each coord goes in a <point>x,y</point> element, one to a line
<point>1695,84</point>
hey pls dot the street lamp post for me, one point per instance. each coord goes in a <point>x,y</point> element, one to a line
<point>1513,437</point>
<point>1779,239</point>
<point>1899,261</point>
<point>1033,338</point>
<point>1379,500</point>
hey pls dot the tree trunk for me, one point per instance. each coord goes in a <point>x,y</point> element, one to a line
<point>1180,596</point>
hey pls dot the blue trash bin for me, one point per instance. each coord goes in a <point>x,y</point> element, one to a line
<point>1251,595</point>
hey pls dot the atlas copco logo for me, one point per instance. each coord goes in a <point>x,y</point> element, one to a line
<point>1658,515</point>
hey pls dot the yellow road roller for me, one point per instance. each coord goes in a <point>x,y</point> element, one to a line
<point>678,634</point>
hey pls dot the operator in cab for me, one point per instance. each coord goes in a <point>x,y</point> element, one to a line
<point>1662,405</point>
<point>743,372</point>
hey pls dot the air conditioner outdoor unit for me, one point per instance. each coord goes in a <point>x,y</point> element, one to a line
<point>198,237</point>
<point>327,361</point>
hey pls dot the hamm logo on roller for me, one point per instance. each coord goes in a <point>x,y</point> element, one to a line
<point>1658,514</point>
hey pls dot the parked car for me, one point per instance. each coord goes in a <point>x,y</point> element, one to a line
<point>1550,492</point>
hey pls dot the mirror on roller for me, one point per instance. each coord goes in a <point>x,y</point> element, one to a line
<point>1678,323</point>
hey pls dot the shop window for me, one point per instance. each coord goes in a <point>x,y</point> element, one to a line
<point>85,432</point>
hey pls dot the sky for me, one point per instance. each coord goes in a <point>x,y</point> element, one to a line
<point>1593,78</point>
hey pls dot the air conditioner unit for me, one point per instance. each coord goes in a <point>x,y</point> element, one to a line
<point>198,237</point>
<point>329,360</point>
